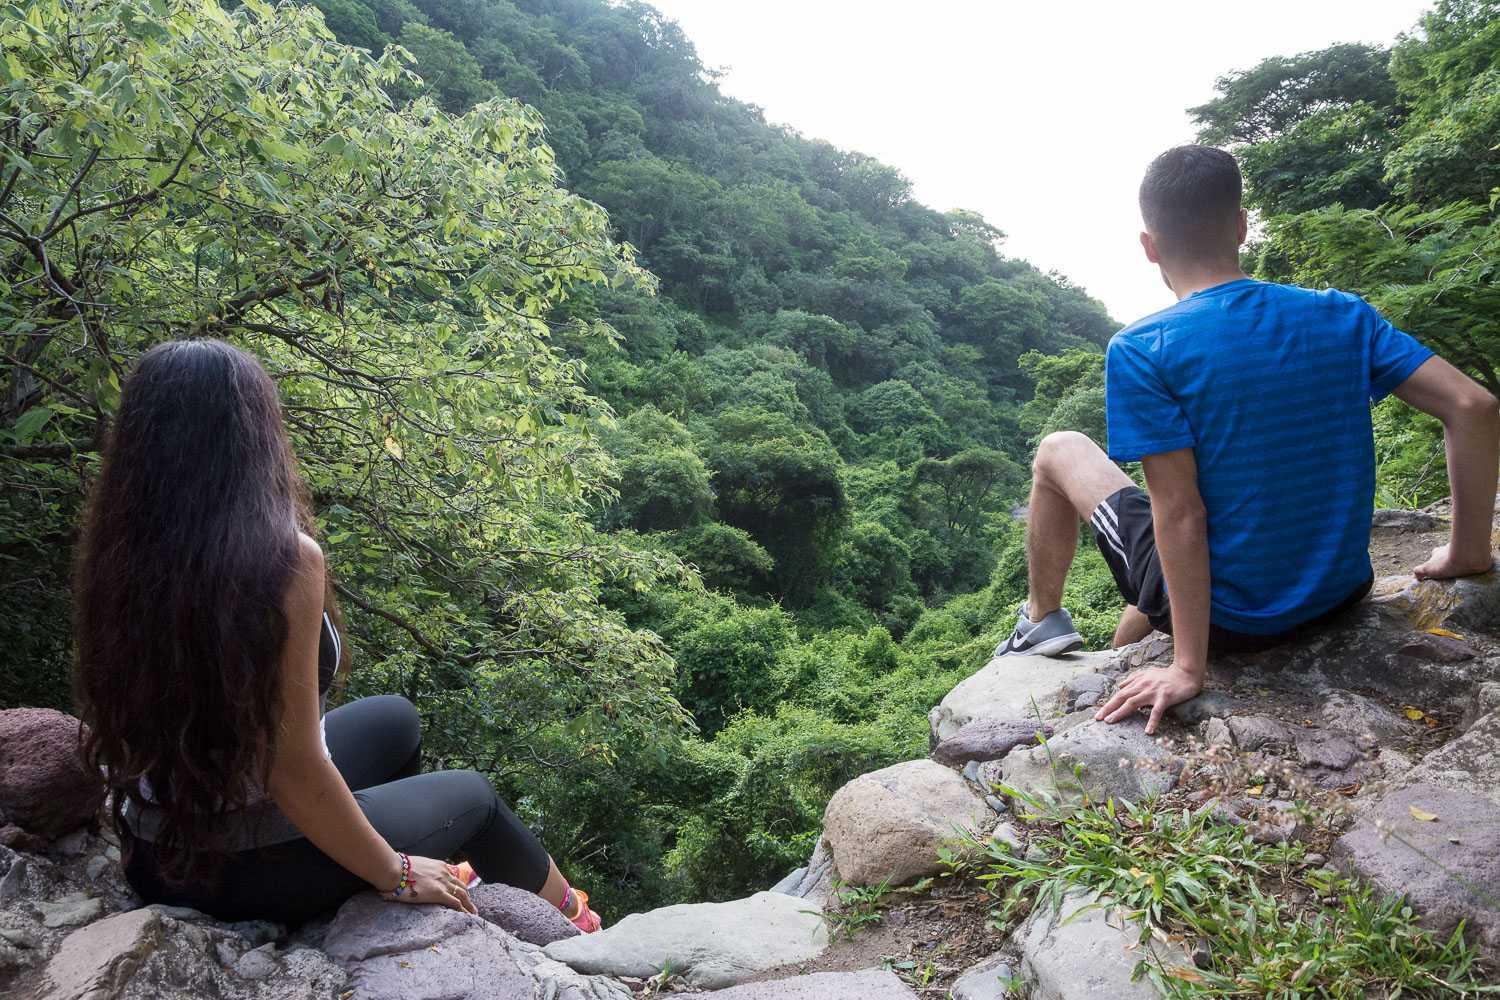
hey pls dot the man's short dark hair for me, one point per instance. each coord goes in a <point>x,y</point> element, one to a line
<point>1190,200</point>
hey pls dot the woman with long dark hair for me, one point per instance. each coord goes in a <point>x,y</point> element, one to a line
<point>207,638</point>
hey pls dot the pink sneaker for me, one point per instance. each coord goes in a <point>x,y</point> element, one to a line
<point>587,920</point>
<point>465,873</point>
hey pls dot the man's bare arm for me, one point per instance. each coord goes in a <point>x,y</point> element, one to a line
<point>1471,431</point>
<point>1181,525</point>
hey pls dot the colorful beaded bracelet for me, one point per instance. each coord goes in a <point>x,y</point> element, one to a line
<point>405,883</point>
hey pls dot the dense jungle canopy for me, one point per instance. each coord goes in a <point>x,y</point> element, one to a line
<point>664,456</point>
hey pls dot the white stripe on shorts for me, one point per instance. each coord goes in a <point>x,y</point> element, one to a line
<point>1108,533</point>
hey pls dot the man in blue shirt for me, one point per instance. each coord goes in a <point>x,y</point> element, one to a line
<point>1248,406</point>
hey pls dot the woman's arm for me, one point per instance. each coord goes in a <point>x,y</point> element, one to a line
<point>305,784</point>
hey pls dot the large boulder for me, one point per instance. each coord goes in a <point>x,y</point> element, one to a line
<point>887,826</point>
<point>1094,762</point>
<point>871,984</point>
<point>1440,848</point>
<point>522,914</point>
<point>44,788</point>
<point>394,951</point>
<point>1012,687</point>
<point>710,945</point>
<point>1083,951</point>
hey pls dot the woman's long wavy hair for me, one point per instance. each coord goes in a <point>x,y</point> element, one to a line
<point>188,550</point>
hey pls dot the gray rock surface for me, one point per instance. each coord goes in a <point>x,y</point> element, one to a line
<point>1257,732</point>
<point>1470,763</point>
<point>1084,952</point>
<point>1366,720</point>
<point>889,824</point>
<point>813,880</point>
<point>393,951</point>
<point>986,980</point>
<point>95,962</point>
<point>711,945</point>
<point>1329,751</point>
<point>1016,687</point>
<point>1097,761</point>
<point>522,914</point>
<point>987,739</point>
<point>69,911</point>
<point>1448,867</point>
<point>872,984</point>
<point>1086,690</point>
<point>1210,704</point>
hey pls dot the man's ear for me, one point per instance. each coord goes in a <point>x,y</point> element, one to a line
<point>1149,245</point>
<point>1244,228</point>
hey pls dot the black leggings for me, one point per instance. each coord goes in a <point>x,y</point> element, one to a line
<point>376,745</point>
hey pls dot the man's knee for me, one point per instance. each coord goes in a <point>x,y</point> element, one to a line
<point>1059,451</point>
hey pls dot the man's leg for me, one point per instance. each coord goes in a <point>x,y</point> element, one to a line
<point>1070,476</point>
<point>1134,626</point>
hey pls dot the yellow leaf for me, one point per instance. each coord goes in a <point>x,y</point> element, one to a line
<point>1414,714</point>
<point>1444,633</point>
<point>394,448</point>
<point>1137,873</point>
<point>1255,792</point>
<point>1184,973</point>
<point>1422,815</point>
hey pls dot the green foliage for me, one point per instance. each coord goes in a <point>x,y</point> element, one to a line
<point>726,558</point>
<point>1186,874</point>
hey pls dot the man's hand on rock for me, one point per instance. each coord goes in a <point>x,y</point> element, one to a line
<point>1444,564</point>
<point>1157,688</point>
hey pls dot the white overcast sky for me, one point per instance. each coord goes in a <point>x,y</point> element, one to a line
<point>1042,116</point>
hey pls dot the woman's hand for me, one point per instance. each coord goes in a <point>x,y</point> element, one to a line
<point>434,881</point>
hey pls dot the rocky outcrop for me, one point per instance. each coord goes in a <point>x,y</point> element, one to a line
<point>1093,762</point>
<point>709,945</point>
<point>1396,706</point>
<point>1014,688</point>
<point>1082,951</point>
<point>887,826</point>
<point>392,951</point>
<point>45,791</point>
<point>868,985</point>
<point>1440,848</point>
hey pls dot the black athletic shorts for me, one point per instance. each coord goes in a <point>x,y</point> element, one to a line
<point>1126,537</point>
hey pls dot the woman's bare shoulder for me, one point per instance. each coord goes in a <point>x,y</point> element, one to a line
<point>308,577</point>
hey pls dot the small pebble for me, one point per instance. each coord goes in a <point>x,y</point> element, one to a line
<point>256,964</point>
<point>996,803</point>
<point>1313,860</point>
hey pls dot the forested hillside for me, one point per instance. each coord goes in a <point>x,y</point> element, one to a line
<point>821,410</point>
<point>672,516</point>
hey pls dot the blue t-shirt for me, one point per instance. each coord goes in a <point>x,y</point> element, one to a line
<point>1271,386</point>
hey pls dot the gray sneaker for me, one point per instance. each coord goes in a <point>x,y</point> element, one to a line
<point>1054,635</point>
